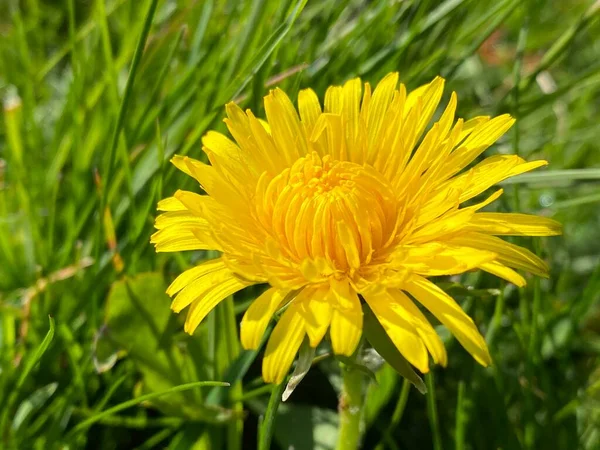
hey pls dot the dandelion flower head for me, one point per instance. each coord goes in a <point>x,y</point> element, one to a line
<point>356,200</point>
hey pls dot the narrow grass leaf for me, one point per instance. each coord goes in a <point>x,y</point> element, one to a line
<point>266,427</point>
<point>28,365</point>
<point>136,401</point>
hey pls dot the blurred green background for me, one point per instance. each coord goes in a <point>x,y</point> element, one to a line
<point>99,94</point>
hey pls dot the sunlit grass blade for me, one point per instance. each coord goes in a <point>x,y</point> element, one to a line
<point>555,177</point>
<point>561,45</point>
<point>240,82</point>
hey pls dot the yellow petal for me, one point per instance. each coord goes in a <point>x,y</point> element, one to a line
<point>489,172</point>
<point>193,202</point>
<point>334,100</point>
<point>351,111</point>
<point>181,163</point>
<point>380,102</point>
<point>514,224</point>
<point>430,98</point>
<point>346,320</point>
<point>180,239</point>
<point>315,305</point>
<point>500,270</point>
<point>435,259</point>
<point>448,116</point>
<point>309,107</point>
<point>432,341</point>
<point>274,160</point>
<point>283,345</point>
<point>399,328</point>
<point>208,300</point>
<point>509,254</point>
<point>440,205</point>
<point>227,157</point>
<point>336,144</point>
<point>471,125</point>
<point>170,204</point>
<point>481,137</point>
<point>183,230</point>
<point>257,317</point>
<point>257,145</point>
<point>349,243</point>
<point>285,126</point>
<point>220,146</point>
<point>200,286</point>
<point>218,187</point>
<point>193,274</point>
<point>447,311</point>
<point>174,218</point>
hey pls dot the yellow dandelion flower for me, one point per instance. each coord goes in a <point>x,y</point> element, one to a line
<point>345,203</point>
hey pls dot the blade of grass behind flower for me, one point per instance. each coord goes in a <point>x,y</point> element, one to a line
<point>146,117</point>
<point>241,81</point>
<point>136,401</point>
<point>418,28</point>
<point>199,32</point>
<point>462,417</point>
<point>586,79</point>
<point>561,45</point>
<point>432,412</point>
<point>116,136</point>
<point>396,415</point>
<point>577,201</point>
<point>498,14</point>
<point>247,36</point>
<point>28,365</point>
<point>267,423</point>
<point>83,32</point>
<point>555,177</point>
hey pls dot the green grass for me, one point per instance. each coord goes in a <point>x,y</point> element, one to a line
<point>99,94</point>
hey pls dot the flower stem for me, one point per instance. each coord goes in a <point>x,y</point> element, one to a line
<point>350,409</point>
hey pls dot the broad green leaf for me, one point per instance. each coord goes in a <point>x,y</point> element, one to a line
<point>302,427</point>
<point>140,323</point>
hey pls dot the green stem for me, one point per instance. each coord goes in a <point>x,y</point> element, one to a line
<point>350,409</point>
<point>265,433</point>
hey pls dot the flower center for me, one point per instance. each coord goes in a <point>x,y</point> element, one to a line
<point>338,215</point>
<point>316,176</point>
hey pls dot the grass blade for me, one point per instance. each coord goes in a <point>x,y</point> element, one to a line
<point>136,401</point>
<point>555,177</point>
<point>432,412</point>
<point>137,56</point>
<point>265,433</point>
<point>24,372</point>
